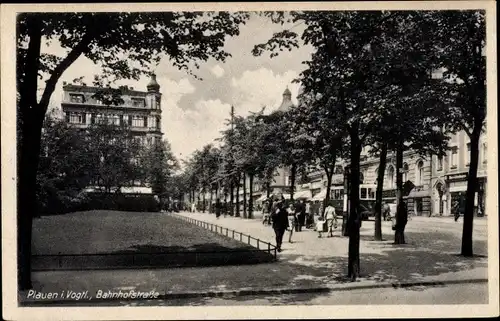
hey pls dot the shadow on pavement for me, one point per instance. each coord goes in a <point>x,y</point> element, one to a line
<point>155,256</point>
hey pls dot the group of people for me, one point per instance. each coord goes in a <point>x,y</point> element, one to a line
<point>283,216</point>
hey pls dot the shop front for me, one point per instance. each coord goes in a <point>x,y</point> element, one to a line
<point>457,192</point>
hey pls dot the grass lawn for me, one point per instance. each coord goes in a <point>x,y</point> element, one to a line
<point>97,232</point>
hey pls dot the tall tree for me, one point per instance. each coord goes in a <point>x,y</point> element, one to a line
<point>160,163</point>
<point>104,38</point>
<point>64,169</point>
<point>116,156</point>
<point>461,40</point>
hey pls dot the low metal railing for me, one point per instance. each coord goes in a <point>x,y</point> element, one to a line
<point>268,247</point>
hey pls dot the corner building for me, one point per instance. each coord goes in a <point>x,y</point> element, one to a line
<point>140,110</point>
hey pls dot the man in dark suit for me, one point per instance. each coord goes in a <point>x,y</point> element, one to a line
<point>280,223</point>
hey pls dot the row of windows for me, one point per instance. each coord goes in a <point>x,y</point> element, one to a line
<point>454,157</point>
<point>134,120</point>
<point>136,102</point>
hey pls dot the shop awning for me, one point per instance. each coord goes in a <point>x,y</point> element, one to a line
<point>320,196</point>
<point>302,195</point>
<point>417,194</point>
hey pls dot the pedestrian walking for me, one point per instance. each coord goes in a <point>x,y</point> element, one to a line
<point>456,209</point>
<point>265,214</point>
<point>401,221</point>
<point>292,221</point>
<point>331,220</point>
<point>280,223</point>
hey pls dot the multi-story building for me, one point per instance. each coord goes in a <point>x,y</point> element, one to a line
<point>140,110</point>
<point>449,175</point>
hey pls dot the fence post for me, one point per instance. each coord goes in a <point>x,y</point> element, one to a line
<point>258,244</point>
<point>269,248</point>
<point>227,231</point>
<point>248,239</point>
<point>241,237</point>
<point>233,234</point>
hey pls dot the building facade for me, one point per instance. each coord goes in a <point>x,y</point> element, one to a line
<point>449,176</point>
<point>140,111</point>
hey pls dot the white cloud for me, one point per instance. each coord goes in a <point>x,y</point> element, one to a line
<point>262,87</point>
<point>218,71</point>
<point>189,130</point>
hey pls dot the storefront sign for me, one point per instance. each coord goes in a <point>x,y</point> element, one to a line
<point>389,193</point>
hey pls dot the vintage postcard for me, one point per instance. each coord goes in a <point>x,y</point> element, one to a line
<point>249,160</point>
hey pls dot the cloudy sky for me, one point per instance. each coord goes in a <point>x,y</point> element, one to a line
<point>194,111</point>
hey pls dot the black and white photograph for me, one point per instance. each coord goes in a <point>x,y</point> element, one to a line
<point>251,160</point>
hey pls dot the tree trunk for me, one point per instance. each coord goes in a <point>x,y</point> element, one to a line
<point>353,222</point>
<point>204,201</point>
<point>231,198</point>
<point>293,172</point>
<point>238,196</point>
<point>345,199</point>
<point>250,200</point>
<point>31,116</point>
<point>329,175</point>
<point>467,248</point>
<point>211,199</point>
<point>401,218</point>
<point>380,188</point>
<point>29,153</point>
<point>244,196</point>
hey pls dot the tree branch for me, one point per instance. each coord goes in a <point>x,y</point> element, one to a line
<point>59,70</point>
<point>465,129</point>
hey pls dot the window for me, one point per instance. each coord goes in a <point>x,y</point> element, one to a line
<point>145,120</point>
<point>137,121</point>
<point>467,155</point>
<point>158,122</point>
<point>150,142</point>
<point>77,118</point>
<point>485,153</point>
<point>419,174</point>
<point>115,120</point>
<point>454,157</point>
<point>371,193</point>
<point>440,163</point>
<point>92,118</point>
<point>390,174</point>
<point>138,102</point>
<point>76,98</point>
<point>364,193</point>
<point>339,169</point>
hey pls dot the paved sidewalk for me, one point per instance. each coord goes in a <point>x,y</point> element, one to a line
<point>308,265</point>
<point>430,255</point>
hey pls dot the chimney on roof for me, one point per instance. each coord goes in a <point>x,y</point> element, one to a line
<point>131,88</point>
<point>64,83</point>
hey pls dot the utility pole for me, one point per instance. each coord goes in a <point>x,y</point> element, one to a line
<point>231,178</point>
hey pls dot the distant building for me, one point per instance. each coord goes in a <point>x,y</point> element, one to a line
<point>140,110</point>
